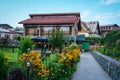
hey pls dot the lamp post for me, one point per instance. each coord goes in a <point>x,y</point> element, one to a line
<point>65,66</point>
<point>28,50</point>
<point>28,70</point>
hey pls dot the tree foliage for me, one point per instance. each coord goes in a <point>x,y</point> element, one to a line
<point>111,39</point>
<point>19,28</point>
<point>57,39</point>
<point>112,44</point>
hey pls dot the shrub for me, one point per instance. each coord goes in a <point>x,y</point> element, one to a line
<point>3,66</point>
<point>111,39</point>
<point>25,44</point>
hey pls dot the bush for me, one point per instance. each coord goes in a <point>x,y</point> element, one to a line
<point>25,44</point>
<point>3,66</point>
<point>111,39</point>
<point>37,68</point>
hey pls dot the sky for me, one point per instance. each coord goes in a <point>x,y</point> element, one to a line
<point>104,11</point>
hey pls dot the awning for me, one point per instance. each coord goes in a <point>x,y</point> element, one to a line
<point>80,38</point>
<point>40,39</point>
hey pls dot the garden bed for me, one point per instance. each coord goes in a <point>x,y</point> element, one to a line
<point>57,66</point>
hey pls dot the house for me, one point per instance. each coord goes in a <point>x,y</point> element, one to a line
<point>41,25</point>
<point>104,29</point>
<point>5,26</point>
<point>6,31</point>
<point>90,29</point>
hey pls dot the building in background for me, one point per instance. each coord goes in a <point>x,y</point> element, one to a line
<point>7,31</point>
<point>6,26</point>
<point>104,29</point>
<point>90,29</point>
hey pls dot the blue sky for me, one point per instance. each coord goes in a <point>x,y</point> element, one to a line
<point>104,11</point>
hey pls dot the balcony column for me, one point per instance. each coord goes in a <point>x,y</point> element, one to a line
<point>75,32</point>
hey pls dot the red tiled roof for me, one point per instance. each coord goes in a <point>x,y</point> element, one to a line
<point>57,20</point>
<point>56,14</point>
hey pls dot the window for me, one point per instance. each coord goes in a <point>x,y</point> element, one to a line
<point>32,31</point>
<point>47,30</point>
<point>66,30</point>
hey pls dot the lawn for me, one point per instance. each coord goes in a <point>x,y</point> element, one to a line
<point>14,56</point>
<point>8,52</point>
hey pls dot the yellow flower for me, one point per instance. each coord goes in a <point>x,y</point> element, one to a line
<point>41,65</point>
<point>59,54</point>
<point>7,57</point>
<point>46,70</point>
<point>61,60</point>
<point>39,73</point>
<point>43,74</point>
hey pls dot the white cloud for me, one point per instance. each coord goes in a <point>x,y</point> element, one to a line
<point>85,14</point>
<point>107,18</point>
<point>103,18</point>
<point>109,15</point>
<point>108,2</point>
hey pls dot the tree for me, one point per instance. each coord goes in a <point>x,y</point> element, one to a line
<point>19,28</point>
<point>56,39</point>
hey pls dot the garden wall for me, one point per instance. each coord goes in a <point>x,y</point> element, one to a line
<point>111,66</point>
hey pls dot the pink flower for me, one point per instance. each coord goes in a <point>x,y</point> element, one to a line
<point>64,50</point>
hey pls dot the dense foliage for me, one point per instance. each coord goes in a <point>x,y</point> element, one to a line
<point>111,39</point>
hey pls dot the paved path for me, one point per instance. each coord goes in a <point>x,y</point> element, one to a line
<point>89,69</point>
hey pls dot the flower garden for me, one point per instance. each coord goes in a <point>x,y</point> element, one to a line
<point>31,65</point>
